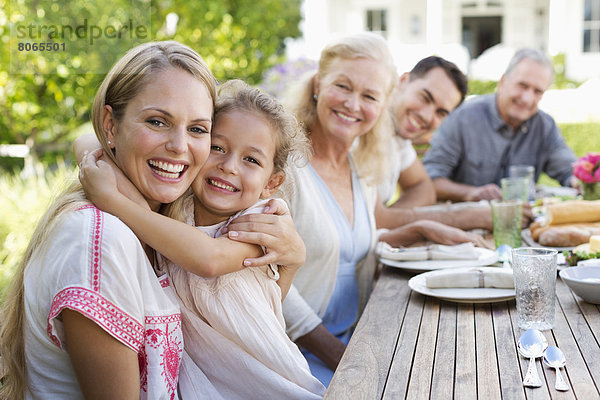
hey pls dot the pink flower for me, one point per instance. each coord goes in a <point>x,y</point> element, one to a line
<point>587,168</point>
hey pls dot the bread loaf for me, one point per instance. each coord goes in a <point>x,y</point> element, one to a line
<point>573,211</point>
<point>564,235</point>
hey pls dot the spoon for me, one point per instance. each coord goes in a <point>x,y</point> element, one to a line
<point>554,358</point>
<point>532,344</point>
<point>504,255</point>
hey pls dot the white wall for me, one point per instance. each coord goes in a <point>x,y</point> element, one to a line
<point>551,25</point>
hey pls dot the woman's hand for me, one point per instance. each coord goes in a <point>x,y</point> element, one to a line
<point>433,231</point>
<point>274,230</point>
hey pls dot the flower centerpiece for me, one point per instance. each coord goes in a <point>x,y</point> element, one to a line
<point>587,170</point>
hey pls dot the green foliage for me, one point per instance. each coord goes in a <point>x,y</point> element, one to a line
<point>44,95</point>
<point>237,38</point>
<point>482,87</point>
<point>582,138</point>
<point>24,200</point>
<point>560,79</point>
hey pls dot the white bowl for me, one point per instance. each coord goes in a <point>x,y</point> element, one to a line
<point>592,262</point>
<point>584,282</point>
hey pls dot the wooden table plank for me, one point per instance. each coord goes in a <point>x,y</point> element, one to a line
<point>411,346</point>
<point>442,381</point>
<point>562,337</point>
<point>488,384</point>
<point>419,386</point>
<point>506,352</point>
<point>530,393</point>
<point>363,370</point>
<point>465,386</point>
<point>401,369</point>
<point>574,337</point>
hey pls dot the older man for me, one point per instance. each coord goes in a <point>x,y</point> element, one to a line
<point>474,147</point>
<point>421,100</point>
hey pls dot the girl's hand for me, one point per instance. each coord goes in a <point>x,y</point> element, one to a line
<point>103,172</point>
<point>274,230</point>
<point>98,179</point>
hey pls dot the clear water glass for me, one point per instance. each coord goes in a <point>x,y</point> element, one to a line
<point>534,272</point>
<point>515,188</point>
<point>524,171</point>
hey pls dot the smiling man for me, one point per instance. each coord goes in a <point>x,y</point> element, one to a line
<point>421,100</point>
<point>475,146</point>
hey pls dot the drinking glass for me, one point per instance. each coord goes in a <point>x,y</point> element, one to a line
<point>534,272</point>
<point>515,188</point>
<point>506,220</point>
<point>524,171</point>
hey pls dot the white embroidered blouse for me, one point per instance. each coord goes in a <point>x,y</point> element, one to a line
<point>93,263</point>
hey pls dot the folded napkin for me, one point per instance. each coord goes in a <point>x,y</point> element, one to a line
<point>472,278</point>
<point>463,251</point>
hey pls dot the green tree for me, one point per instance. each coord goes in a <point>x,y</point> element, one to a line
<point>237,38</point>
<point>45,95</point>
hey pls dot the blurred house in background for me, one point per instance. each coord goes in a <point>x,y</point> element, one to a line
<point>478,35</point>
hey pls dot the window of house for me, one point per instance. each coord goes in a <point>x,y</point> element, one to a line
<point>591,26</point>
<point>377,21</point>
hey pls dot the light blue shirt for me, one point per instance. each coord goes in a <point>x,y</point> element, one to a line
<point>342,311</point>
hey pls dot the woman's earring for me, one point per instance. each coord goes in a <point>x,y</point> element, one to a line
<point>109,143</point>
<point>315,97</point>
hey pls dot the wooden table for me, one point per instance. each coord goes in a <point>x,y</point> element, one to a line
<point>410,346</point>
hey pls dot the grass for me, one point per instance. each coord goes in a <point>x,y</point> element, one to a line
<point>24,200</point>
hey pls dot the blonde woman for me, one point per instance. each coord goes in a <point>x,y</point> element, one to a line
<point>86,315</point>
<point>333,198</point>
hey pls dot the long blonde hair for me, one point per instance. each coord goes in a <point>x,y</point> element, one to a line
<point>124,81</point>
<point>370,154</point>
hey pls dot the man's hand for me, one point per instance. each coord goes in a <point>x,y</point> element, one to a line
<point>490,191</point>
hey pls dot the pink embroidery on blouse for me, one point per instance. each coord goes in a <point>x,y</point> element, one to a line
<point>143,364</point>
<point>96,249</point>
<point>100,310</point>
<point>164,282</point>
<point>164,340</point>
<point>171,357</point>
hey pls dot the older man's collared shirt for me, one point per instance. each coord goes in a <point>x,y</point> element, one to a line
<point>475,146</point>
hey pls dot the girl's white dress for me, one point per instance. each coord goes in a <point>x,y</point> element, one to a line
<point>92,263</point>
<point>235,335</point>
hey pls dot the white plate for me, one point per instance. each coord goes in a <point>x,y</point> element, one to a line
<point>460,295</point>
<point>486,257</point>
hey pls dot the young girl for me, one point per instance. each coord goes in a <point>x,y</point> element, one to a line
<point>233,324</point>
